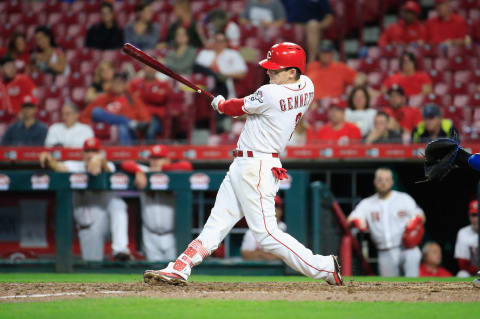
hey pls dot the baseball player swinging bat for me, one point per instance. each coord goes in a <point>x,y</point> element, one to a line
<point>141,56</point>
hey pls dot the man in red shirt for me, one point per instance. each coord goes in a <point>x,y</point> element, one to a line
<point>407,30</point>
<point>337,129</point>
<point>13,87</point>
<point>402,117</point>
<point>447,27</point>
<point>329,77</point>
<point>154,94</point>
<point>118,107</point>
<point>432,259</point>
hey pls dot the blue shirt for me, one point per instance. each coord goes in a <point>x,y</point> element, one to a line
<point>301,11</point>
<point>19,135</point>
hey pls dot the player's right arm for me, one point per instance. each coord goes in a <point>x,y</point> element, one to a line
<point>47,161</point>
<point>357,217</point>
<point>139,171</point>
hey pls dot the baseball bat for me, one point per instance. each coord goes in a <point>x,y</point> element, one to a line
<point>141,56</point>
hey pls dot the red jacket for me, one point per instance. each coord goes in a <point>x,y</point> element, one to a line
<point>13,92</point>
<point>439,30</point>
<point>129,105</point>
<point>441,272</point>
<point>401,33</point>
<point>154,94</point>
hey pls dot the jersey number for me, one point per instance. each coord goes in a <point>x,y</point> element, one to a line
<point>297,120</point>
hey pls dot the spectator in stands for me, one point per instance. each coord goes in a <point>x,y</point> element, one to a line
<point>158,208</point>
<point>96,213</point>
<point>102,80</point>
<point>466,246</point>
<point>226,63</point>
<point>185,19</point>
<point>118,107</point>
<point>338,130</point>
<point>409,78</point>
<point>13,87</point>
<point>105,35</point>
<point>403,118</point>
<point>250,249</point>
<point>381,133</point>
<point>387,215</point>
<point>359,111</point>
<point>217,21</point>
<point>264,13</point>
<point>154,95</point>
<point>69,133</point>
<point>431,261</point>
<point>433,125</point>
<point>27,130</point>
<point>47,57</point>
<point>17,49</point>
<point>181,57</point>
<point>142,32</point>
<point>446,27</point>
<point>407,30</point>
<point>329,77</point>
<point>316,15</point>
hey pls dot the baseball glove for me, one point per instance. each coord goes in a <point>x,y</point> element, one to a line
<point>413,234</point>
<point>443,155</point>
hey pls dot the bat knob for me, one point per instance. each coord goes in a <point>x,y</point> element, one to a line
<point>199,91</point>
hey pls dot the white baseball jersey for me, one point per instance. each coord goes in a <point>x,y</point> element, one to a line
<point>466,246</point>
<point>273,113</point>
<point>387,217</point>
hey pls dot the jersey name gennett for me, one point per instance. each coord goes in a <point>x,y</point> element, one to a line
<point>294,102</point>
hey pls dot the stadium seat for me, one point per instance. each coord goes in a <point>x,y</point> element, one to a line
<point>441,64</point>
<point>5,117</point>
<point>462,76</point>
<point>53,104</point>
<point>101,131</point>
<point>441,89</point>
<point>416,100</point>
<point>459,63</point>
<point>31,18</point>
<point>76,79</point>
<point>439,76</point>
<point>43,116</point>
<point>41,79</point>
<point>456,114</point>
<point>435,98</point>
<point>14,6</point>
<point>6,30</point>
<point>461,101</point>
<point>77,95</point>
<point>429,50</point>
<point>92,18</point>
<point>69,43</point>
<point>390,52</point>
<point>369,65</point>
<point>71,18</point>
<point>91,6</point>
<point>474,100</point>
<point>458,88</point>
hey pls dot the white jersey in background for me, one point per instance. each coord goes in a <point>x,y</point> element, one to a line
<point>273,113</point>
<point>466,246</point>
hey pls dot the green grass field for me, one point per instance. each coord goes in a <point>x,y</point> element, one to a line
<point>134,307</point>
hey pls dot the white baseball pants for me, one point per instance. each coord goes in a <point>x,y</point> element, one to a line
<point>248,190</point>
<point>158,247</point>
<point>393,262</point>
<point>96,223</point>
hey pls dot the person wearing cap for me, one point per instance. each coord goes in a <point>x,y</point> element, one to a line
<point>13,87</point>
<point>466,246</point>
<point>329,77</point>
<point>408,29</point>
<point>250,248</point>
<point>433,125</point>
<point>158,207</point>
<point>403,118</point>
<point>338,130</point>
<point>446,27</point>
<point>431,261</point>
<point>412,80</point>
<point>97,214</point>
<point>118,107</point>
<point>69,132</point>
<point>27,131</point>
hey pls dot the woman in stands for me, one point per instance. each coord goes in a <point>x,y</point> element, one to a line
<point>17,49</point>
<point>102,80</point>
<point>359,111</point>
<point>47,57</point>
<point>142,32</point>
<point>181,57</point>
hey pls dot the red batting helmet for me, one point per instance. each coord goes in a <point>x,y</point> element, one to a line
<point>285,55</point>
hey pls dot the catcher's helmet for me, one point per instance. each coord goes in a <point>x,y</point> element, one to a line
<point>285,55</point>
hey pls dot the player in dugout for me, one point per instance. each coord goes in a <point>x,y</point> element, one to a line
<point>158,207</point>
<point>253,179</point>
<point>96,213</point>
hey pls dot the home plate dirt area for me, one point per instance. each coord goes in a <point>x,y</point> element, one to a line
<point>293,291</point>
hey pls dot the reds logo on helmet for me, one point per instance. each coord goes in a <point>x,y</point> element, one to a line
<point>285,55</point>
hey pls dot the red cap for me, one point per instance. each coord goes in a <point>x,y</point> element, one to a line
<point>337,102</point>
<point>412,6</point>
<point>92,144</point>
<point>29,100</point>
<point>158,151</point>
<point>285,55</point>
<point>278,201</point>
<point>473,207</point>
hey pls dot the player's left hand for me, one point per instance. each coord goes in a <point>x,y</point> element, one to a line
<point>94,166</point>
<point>216,101</point>
<point>140,180</point>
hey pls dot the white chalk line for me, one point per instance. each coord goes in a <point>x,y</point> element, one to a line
<point>61,294</point>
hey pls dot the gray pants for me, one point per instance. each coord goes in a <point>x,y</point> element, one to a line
<point>397,261</point>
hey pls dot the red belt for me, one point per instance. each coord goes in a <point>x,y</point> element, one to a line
<point>238,153</point>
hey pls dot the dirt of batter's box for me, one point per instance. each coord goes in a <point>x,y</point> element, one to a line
<point>317,291</point>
